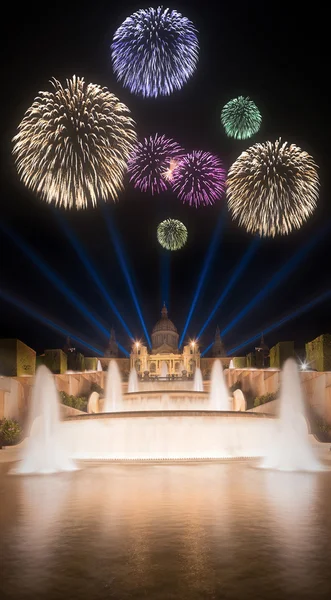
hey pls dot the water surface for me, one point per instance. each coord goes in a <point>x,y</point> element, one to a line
<point>187,531</point>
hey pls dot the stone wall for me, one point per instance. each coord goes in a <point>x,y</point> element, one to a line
<point>251,359</point>
<point>16,358</point>
<point>270,408</point>
<point>15,392</point>
<point>316,387</point>
<point>318,353</point>
<point>91,363</point>
<point>206,365</point>
<point>123,364</point>
<point>280,353</point>
<point>75,361</point>
<point>240,362</point>
<point>55,361</point>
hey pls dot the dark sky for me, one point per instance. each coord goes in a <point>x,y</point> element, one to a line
<point>246,49</point>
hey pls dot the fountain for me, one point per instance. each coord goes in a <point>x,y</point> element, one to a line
<point>99,366</point>
<point>219,395</point>
<point>44,451</point>
<point>198,383</point>
<point>113,392</point>
<point>93,403</point>
<point>169,424</point>
<point>231,365</point>
<point>239,402</point>
<point>133,385</point>
<point>164,369</point>
<point>290,449</point>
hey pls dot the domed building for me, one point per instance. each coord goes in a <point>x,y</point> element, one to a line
<point>165,360</point>
<point>164,335</point>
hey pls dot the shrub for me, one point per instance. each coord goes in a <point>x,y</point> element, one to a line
<point>320,427</point>
<point>265,398</point>
<point>78,402</point>
<point>10,432</point>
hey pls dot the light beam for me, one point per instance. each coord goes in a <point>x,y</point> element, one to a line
<point>36,314</point>
<point>279,276</point>
<point>121,258</point>
<point>165,278</point>
<point>91,269</point>
<point>210,254</point>
<point>54,278</point>
<point>292,315</point>
<point>207,349</point>
<point>238,271</point>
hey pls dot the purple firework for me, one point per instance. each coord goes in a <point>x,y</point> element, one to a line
<point>155,51</point>
<point>153,162</point>
<point>199,178</point>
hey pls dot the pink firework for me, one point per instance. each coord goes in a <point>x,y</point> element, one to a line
<point>152,162</point>
<point>199,178</point>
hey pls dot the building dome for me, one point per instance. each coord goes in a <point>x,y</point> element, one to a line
<point>164,335</point>
<point>164,324</point>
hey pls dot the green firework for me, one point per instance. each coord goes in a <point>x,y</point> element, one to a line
<point>241,118</point>
<point>172,234</point>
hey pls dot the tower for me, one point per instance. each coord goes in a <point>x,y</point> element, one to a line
<point>112,348</point>
<point>68,346</point>
<point>218,347</point>
<point>262,354</point>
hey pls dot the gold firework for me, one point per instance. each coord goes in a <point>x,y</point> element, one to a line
<point>168,173</point>
<point>73,144</point>
<point>272,188</point>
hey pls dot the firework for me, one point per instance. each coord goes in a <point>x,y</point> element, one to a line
<point>172,234</point>
<point>272,188</point>
<point>199,178</point>
<point>169,171</point>
<point>152,162</point>
<point>73,144</point>
<point>155,51</point>
<point>241,118</point>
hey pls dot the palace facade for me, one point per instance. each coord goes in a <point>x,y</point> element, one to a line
<point>164,358</point>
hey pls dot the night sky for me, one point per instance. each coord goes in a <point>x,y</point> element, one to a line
<point>245,49</point>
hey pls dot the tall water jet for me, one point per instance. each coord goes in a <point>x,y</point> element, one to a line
<point>231,365</point>
<point>133,385</point>
<point>219,395</point>
<point>290,449</point>
<point>113,391</point>
<point>44,451</point>
<point>164,369</point>
<point>99,366</point>
<point>198,382</point>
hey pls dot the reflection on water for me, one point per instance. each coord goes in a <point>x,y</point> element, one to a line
<point>166,532</point>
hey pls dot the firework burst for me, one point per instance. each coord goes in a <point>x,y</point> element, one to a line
<point>199,178</point>
<point>73,144</point>
<point>241,118</point>
<point>172,234</point>
<point>152,162</point>
<point>155,51</point>
<point>169,171</point>
<point>272,188</point>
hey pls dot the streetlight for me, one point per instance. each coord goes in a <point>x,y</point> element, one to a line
<point>304,365</point>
